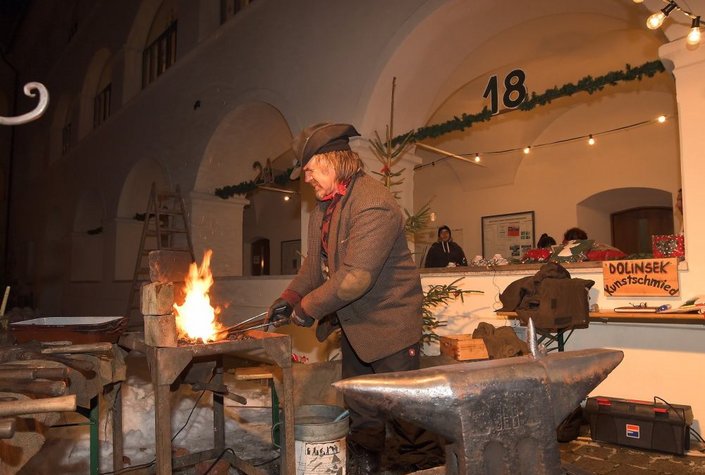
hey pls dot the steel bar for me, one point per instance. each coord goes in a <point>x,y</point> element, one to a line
<point>29,373</point>
<point>36,406</point>
<point>101,347</point>
<point>42,387</point>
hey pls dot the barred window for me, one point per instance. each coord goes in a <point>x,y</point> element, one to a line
<point>159,55</point>
<point>101,106</point>
<point>230,8</point>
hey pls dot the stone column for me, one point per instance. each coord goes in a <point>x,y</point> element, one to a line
<point>688,66</point>
<point>217,224</point>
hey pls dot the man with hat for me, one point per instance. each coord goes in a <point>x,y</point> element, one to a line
<point>358,276</point>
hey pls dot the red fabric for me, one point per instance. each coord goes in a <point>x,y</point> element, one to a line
<point>537,254</point>
<point>291,297</point>
<point>605,255</point>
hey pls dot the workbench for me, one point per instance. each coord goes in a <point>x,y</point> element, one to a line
<point>169,365</point>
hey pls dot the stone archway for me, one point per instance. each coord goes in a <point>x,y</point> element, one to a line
<point>133,200</point>
<point>252,132</point>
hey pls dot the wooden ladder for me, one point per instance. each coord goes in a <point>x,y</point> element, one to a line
<point>165,228</point>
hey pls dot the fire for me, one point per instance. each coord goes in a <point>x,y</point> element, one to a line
<point>197,318</point>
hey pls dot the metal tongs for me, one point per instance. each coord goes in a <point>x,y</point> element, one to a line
<point>255,322</point>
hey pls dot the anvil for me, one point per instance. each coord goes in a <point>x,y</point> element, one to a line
<point>499,416</point>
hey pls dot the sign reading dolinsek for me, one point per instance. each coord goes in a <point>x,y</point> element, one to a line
<point>642,277</point>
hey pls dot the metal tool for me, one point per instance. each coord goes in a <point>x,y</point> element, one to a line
<point>261,325</point>
<point>230,329</point>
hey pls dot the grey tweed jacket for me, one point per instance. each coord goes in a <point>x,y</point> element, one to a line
<point>374,286</point>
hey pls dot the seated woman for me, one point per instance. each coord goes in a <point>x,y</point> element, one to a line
<point>444,252</point>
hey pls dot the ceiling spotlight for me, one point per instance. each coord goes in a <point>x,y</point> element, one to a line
<point>527,150</point>
<point>661,119</point>
<point>591,140</point>
<point>477,158</point>
<point>693,37</point>
<point>656,20</point>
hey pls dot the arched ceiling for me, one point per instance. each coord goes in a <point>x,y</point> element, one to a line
<point>553,49</point>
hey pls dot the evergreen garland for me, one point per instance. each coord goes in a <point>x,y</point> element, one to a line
<point>587,84</point>
<point>248,186</point>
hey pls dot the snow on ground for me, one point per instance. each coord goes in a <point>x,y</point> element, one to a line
<point>247,428</point>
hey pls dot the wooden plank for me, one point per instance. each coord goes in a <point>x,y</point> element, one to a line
<point>35,406</point>
<point>247,373</point>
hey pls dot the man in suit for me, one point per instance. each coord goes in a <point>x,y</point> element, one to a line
<point>358,276</point>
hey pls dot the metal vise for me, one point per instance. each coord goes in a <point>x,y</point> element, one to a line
<point>500,416</point>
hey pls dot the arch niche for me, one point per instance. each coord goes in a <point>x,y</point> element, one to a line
<point>252,132</point>
<point>441,76</point>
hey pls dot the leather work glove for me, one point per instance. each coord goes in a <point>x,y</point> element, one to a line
<point>299,317</point>
<point>279,312</point>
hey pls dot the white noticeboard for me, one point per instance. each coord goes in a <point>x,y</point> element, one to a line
<point>510,235</point>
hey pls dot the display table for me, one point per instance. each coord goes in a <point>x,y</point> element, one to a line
<point>635,317</point>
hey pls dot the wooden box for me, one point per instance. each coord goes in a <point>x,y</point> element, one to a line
<point>464,347</point>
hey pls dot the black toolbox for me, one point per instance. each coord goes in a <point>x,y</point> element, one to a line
<point>640,424</point>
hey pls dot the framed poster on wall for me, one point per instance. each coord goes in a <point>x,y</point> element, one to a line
<point>291,256</point>
<point>510,235</point>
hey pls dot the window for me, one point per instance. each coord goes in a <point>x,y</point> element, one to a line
<point>230,8</point>
<point>101,106</point>
<point>159,55</point>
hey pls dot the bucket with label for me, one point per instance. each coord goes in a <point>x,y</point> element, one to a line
<point>319,433</point>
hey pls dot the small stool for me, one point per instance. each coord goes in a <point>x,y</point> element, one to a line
<point>251,373</point>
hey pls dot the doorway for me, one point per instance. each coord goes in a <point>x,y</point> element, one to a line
<point>260,257</point>
<point>632,228</point>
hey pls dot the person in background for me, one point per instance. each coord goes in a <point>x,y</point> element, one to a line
<point>358,276</point>
<point>545,242</point>
<point>444,252</point>
<point>679,207</point>
<point>574,234</point>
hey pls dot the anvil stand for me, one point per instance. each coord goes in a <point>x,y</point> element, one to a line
<point>167,364</point>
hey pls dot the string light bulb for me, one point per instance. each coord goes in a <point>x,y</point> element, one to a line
<point>477,158</point>
<point>693,37</point>
<point>656,20</point>
<point>591,140</point>
<point>661,119</point>
<point>527,150</point>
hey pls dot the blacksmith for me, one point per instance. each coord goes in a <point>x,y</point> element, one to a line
<point>358,276</point>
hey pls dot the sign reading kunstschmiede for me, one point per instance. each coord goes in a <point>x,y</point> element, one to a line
<point>642,277</point>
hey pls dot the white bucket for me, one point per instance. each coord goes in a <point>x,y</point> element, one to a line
<point>320,440</point>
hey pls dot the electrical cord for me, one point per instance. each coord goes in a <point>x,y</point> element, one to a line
<point>153,461</point>
<point>681,414</point>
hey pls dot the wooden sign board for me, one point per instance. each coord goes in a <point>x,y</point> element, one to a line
<point>641,278</point>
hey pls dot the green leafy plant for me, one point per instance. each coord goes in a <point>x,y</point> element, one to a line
<point>437,296</point>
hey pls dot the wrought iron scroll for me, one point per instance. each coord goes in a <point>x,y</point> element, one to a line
<point>30,89</point>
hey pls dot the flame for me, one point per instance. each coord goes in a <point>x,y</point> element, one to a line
<point>197,318</point>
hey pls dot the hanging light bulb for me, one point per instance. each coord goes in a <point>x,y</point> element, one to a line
<point>286,198</point>
<point>477,158</point>
<point>638,1</point>
<point>527,150</point>
<point>591,140</point>
<point>661,119</point>
<point>656,20</point>
<point>693,37</point>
